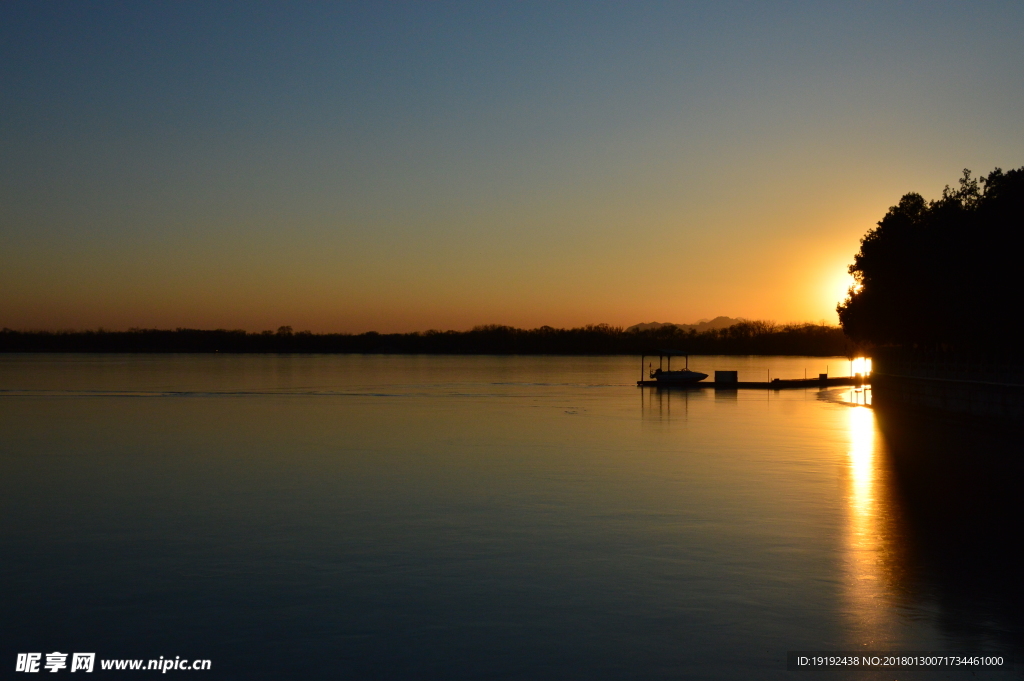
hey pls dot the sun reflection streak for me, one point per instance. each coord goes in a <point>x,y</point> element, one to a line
<point>865,584</point>
<point>862,462</point>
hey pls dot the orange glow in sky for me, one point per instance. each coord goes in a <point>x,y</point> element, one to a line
<point>402,167</point>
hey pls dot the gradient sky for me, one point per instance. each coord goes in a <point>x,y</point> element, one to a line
<point>403,166</point>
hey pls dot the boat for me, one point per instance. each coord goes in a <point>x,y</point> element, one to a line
<point>677,377</point>
<point>667,376</point>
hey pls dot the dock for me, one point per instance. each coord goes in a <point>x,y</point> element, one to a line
<point>728,380</point>
<point>774,384</point>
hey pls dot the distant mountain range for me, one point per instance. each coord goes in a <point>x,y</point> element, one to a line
<point>701,325</point>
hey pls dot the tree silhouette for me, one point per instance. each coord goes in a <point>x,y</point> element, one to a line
<point>944,273</point>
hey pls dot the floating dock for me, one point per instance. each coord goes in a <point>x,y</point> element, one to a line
<point>774,384</point>
<point>727,380</point>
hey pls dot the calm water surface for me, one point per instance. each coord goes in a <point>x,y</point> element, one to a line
<point>416,517</point>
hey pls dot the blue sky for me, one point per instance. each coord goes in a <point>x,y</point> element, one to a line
<point>404,166</point>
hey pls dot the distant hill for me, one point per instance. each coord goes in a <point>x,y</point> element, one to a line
<point>701,325</point>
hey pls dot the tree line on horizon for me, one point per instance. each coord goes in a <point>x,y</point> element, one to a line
<point>746,338</point>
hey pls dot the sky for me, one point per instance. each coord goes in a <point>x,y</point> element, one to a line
<point>403,166</point>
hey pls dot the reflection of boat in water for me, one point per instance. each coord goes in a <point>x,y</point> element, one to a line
<point>678,377</point>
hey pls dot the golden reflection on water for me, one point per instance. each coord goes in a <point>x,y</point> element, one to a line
<point>862,459</point>
<point>865,587</point>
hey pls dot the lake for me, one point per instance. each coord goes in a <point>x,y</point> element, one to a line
<point>465,517</point>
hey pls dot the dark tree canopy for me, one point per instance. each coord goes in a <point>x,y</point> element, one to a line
<point>945,273</point>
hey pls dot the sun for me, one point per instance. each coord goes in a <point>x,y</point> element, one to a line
<point>843,283</point>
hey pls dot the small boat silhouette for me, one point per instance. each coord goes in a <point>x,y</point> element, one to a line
<point>677,377</point>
